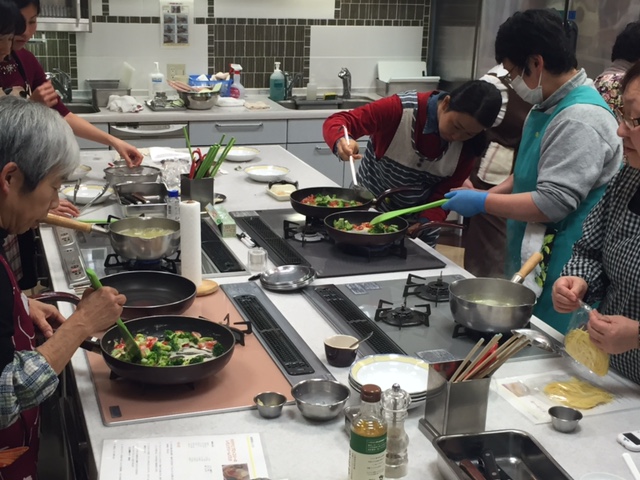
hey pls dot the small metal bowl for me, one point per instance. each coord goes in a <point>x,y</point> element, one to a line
<point>319,399</point>
<point>270,404</point>
<point>124,174</point>
<point>565,419</point>
<point>199,100</point>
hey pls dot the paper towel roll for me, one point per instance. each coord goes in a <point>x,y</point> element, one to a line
<point>190,242</point>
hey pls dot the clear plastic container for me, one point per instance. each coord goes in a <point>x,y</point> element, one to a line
<point>580,347</point>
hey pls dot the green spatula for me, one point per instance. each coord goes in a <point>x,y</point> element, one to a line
<point>131,348</point>
<point>396,213</point>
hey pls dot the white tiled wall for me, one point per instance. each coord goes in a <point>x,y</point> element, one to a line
<point>274,8</point>
<point>359,49</point>
<point>101,53</point>
<point>135,8</point>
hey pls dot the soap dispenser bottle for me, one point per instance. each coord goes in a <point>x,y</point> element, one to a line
<point>237,89</point>
<point>276,84</point>
<point>312,89</point>
<point>156,82</point>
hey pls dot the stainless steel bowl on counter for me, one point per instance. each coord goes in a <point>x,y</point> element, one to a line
<point>319,399</point>
<point>124,174</point>
<point>199,100</point>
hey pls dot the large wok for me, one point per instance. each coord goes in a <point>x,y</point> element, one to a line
<point>133,248</point>
<point>148,293</point>
<point>358,194</point>
<point>494,305</point>
<point>373,240</point>
<point>156,326</point>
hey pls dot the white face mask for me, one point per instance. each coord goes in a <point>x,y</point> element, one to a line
<point>531,95</point>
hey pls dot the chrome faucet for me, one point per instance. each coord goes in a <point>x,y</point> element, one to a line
<point>345,75</point>
<point>289,82</point>
<point>61,81</point>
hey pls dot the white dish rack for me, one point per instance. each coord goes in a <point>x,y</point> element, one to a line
<point>396,76</point>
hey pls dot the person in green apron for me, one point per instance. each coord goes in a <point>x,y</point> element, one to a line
<point>604,264</point>
<point>568,154</point>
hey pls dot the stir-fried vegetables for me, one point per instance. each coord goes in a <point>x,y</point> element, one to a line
<point>329,201</point>
<point>365,227</point>
<point>166,351</point>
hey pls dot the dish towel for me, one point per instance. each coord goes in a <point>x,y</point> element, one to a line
<point>229,102</point>
<point>260,105</point>
<point>124,104</point>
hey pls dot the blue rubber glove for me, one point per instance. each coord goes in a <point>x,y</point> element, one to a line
<point>466,202</point>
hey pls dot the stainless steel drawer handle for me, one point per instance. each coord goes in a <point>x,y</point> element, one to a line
<point>142,131</point>
<point>322,149</point>
<point>240,125</point>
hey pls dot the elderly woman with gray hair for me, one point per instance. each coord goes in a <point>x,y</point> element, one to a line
<point>37,150</point>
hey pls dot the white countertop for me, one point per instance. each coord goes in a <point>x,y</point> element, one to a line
<point>298,449</point>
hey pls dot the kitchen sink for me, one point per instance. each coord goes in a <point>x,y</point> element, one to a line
<point>300,103</point>
<point>82,108</point>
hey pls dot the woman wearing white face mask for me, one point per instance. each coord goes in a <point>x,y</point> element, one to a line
<point>569,152</point>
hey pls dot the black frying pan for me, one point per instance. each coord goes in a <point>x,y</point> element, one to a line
<point>364,239</point>
<point>152,293</point>
<point>170,375</point>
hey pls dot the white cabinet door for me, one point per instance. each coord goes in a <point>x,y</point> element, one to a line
<point>91,145</point>
<point>304,131</point>
<point>246,132</point>
<point>319,156</point>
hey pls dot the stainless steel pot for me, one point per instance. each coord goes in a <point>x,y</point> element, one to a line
<point>127,246</point>
<point>494,305</point>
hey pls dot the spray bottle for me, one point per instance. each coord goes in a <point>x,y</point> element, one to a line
<point>237,89</point>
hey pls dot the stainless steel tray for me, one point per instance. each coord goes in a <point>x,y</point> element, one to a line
<point>156,193</point>
<point>517,454</point>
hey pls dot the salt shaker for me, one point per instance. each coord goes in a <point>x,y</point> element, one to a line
<point>395,403</point>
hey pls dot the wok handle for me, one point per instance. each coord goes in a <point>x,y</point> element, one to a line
<point>51,297</point>
<point>91,344</point>
<point>59,221</point>
<point>527,267</point>
<point>426,226</point>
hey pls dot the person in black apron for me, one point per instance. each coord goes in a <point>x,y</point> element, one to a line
<point>37,149</point>
<point>425,139</point>
<point>568,153</point>
<point>605,266</point>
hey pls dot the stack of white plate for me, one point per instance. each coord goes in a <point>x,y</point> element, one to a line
<point>384,370</point>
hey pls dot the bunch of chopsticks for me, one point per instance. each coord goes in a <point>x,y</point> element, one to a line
<point>208,165</point>
<point>489,359</point>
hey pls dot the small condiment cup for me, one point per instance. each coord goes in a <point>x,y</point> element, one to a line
<point>270,404</point>
<point>338,350</point>
<point>565,419</point>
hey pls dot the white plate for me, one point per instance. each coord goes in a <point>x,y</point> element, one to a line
<point>384,370</point>
<point>242,154</point>
<point>281,192</point>
<point>80,172</point>
<point>86,193</point>
<point>266,173</point>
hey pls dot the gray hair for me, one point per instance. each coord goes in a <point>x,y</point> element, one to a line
<point>37,139</point>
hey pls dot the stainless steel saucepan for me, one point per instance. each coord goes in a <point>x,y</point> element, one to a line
<point>125,244</point>
<point>494,304</point>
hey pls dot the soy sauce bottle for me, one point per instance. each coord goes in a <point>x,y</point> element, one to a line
<point>368,444</point>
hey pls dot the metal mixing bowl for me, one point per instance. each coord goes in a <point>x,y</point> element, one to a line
<point>199,100</point>
<point>124,174</point>
<point>319,399</point>
<point>565,419</point>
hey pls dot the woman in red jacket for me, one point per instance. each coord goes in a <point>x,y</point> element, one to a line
<point>430,140</point>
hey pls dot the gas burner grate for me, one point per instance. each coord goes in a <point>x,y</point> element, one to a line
<point>462,331</point>
<point>402,316</point>
<point>310,232</point>
<point>436,291</point>
<point>165,264</point>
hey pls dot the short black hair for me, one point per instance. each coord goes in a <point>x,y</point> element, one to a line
<point>478,98</point>
<point>11,21</point>
<point>535,32</point>
<point>630,76</point>
<point>627,44</point>
<point>25,3</point>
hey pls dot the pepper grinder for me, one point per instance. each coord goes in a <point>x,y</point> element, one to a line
<point>395,403</point>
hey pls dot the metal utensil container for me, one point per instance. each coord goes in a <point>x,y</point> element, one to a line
<point>155,193</point>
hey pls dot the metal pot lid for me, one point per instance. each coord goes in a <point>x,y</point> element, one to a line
<point>287,277</point>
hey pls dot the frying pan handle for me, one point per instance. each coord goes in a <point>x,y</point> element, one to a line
<point>527,267</point>
<point>59,221</point>
<point>91,344</point>
<point>425,226</point>
<point>51,297</point>
<point>392,191</point>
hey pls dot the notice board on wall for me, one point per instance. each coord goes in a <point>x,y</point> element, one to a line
<point>175,23</point>
<point>274,8</point>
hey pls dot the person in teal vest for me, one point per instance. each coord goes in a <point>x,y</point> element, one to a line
<point>568,154</point>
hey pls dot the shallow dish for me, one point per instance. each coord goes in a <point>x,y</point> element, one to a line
<point>385,370</point>
<point>266,173</point>
<point>242,154</point>
<point>81,171</point>
<point>280,192</point>
<point>86,193</point>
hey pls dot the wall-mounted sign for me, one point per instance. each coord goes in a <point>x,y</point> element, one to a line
<point>175,20</point>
